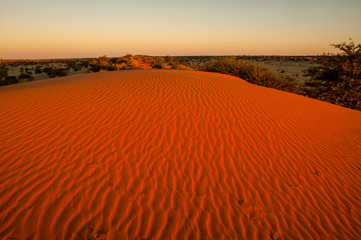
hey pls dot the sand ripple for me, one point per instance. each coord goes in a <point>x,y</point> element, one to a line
<point>175,154</point>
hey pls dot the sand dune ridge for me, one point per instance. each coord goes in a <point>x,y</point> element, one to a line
<point>175,154</point>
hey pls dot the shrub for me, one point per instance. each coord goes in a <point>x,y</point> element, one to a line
<point>8,80</point>
<point>57,72</point>
<point>75,66</point>
<point>85,64</point>
<point>103,61</point>
<point>48,70</point>
<point>94,68</point>
<point>3,73</point>
<point>121,60</point>
<point>168,59</point>
<point>38,70</point>
<point>181,67</point>
<point>157,65</point>
<point>121,66</point>
<point>111,68</point>
<point>113,60</point>
<point>11,79</point>
<point>128,56</point>
<point>337,79</point>
<point>26,77</point>
<point>253,73</point>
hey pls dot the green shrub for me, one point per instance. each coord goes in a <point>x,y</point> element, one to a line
<point>337,79</point>
<point>253,73</point>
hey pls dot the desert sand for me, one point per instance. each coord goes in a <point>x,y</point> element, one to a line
<point>163,154</point>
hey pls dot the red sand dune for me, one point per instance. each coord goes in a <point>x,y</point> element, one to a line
<point>175,154</point>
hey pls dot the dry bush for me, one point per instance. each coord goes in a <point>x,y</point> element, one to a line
<point>253,73</point>
<point>337,79</point>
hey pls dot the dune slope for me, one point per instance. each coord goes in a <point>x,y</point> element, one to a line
<point>175,154</point>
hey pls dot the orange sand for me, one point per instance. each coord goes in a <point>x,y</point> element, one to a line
<point>175,154</point>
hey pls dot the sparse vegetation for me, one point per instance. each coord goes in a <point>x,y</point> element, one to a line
<point>57,72</point>
<point>253,73</point>
<point>334,78</point>
<point>38,70</point>
<point>121,66</point>
<point>103,61</point>
<point>25,77</point>
<point>10,80</point>
<point>111,68</point>
<point>158,63</point>
<point>338,77</point>
<point>178,66</point>
<point>3,73</point>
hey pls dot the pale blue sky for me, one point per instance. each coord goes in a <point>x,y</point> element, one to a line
<point>82,28</point>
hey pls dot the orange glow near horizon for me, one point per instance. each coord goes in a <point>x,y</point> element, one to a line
<point>89,29</point>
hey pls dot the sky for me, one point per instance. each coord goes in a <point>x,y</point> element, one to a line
<point>91,28</point>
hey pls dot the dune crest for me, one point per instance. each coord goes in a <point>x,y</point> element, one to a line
<point>175,154</point>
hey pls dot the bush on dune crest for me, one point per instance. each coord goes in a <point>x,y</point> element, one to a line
<point>338,77</point>
<point>253,73</point>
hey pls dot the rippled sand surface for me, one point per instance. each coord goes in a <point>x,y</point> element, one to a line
<point>161,154</point>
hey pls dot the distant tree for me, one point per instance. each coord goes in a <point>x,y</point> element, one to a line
<point>337,79</point>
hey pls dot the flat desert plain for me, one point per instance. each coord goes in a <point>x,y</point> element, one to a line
<point>165,154</point>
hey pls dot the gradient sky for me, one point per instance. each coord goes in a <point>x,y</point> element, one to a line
<point>90,28</point>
